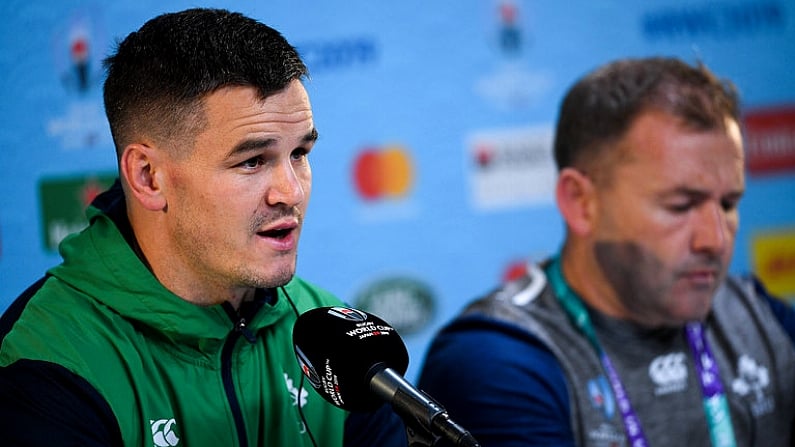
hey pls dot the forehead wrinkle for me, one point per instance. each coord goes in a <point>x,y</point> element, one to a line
<point>273,116</point>
<point>252,110</point>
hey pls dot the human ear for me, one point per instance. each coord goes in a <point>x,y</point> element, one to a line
<point>139,165</point>
<point>575,197</point>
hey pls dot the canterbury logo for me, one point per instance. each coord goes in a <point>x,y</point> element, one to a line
<point>163,432</point>
<point>669,373</point>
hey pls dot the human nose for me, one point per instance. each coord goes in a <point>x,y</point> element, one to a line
<point>712,232</point>
<point>286,186</point>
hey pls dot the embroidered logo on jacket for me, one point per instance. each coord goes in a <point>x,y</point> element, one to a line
<point>299,395</point>
<point>299,399</point>
<point>606,434</point>
<point>669,373</point>
<point>602,396</point>
<point>752,380</point>
<point>164,432</point>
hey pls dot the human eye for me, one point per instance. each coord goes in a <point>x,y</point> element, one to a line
<point>730,203</point>
<point>300,153</point>
<point>680,206</point>
<point>252,163</point>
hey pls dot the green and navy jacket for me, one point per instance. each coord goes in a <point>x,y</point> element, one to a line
<point>98,352</point>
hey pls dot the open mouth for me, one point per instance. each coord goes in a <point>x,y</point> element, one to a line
<point>280,233</point>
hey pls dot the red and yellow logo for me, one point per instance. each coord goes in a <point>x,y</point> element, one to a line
<point>380,173</point>
<point>773,257</point>
<point>770,139</point>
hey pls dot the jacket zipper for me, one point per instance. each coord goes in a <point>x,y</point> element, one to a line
<point>239,330</point>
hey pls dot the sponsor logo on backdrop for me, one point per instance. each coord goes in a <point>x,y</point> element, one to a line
<point>773,259</point>
<point>510,31</point>
<point>407,304</point>
<point>514,270</point>
<point>511,85</point>
<point>383,178</point>
<point>63,203</point>
<point>518,267</point>
<point>715,19</point>
<point>339,54</point>
<point>82,125</point>
<point>79,45</point>
<point>770,139</point>
<point>511,168</point>
<point>383,173</point>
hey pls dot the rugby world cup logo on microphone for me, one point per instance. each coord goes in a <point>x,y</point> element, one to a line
<point>346,313</point>
<point>307,368</point>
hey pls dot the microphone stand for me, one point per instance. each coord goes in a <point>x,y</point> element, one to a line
<point>419,437</point>
<point>422,416</point>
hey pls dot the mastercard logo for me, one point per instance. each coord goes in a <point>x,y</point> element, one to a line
<point>381,173</point>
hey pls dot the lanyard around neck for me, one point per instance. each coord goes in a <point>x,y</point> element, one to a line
<point>714,400</point>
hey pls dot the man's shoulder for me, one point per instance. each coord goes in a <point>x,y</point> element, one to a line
<point>523,310</point>
<point>17,307</point>
<point>742,295</point>
<point>744,301</point>
<point>526,301</point>
<point>42,320</point>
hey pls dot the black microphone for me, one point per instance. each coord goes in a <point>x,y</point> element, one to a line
<point>356,361</point>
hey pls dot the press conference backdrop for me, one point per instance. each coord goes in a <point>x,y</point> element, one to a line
<point>433,174</point>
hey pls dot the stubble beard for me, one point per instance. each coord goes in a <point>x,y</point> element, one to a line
<point>647,287</point>
<point>635,276</point>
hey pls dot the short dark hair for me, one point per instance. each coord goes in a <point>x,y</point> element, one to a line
<point>600,107</point>
<point>159,75</point>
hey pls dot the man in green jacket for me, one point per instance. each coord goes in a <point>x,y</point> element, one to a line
<point>169,321</point>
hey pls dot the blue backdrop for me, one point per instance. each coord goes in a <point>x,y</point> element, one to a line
<point>433,174</point>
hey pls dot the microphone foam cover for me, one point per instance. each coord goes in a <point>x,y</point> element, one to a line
<point>340,348</point>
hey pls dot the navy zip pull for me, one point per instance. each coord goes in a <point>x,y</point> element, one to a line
<point>243,329</point>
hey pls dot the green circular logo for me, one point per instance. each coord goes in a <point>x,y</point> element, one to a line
<point>406,304</point>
